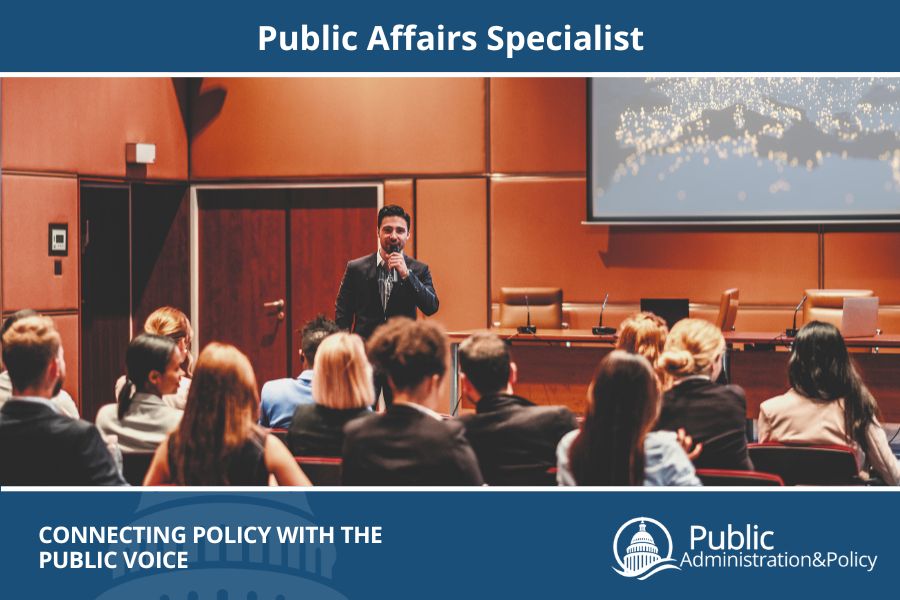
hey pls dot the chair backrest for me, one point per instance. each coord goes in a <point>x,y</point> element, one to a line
<point>807,464</point>
<point>545,302</point>
<point>135,466</point>
<point>321,470</point>
<point>827,305</point>
<point>719,477</point>
<point>728,307</point>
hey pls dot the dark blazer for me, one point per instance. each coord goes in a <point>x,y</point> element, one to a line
<point>713,414</point>
<point>41,447</point>
<point>317,430</point>
<point>358,305</point>
<point>404,446</point>
<point>514,440</point>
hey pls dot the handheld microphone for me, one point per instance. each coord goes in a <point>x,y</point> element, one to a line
<point>528,328</point>
<point>394,248</point>
<point>600,329</point>
<point>792,332</point>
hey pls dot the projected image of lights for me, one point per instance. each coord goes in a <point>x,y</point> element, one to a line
<point>745,148</point>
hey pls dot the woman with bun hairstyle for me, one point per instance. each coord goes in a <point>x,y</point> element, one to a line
<point>712,414</point>
<point>645,333</point>
<point>219,441</point>
<point>140,419</point>
<point>828,403</point>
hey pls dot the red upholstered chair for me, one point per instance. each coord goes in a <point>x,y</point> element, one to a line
<point>827,305</point>
<point>321,470</point>
<point>719,477</point>
<point>728,308</point>
<point>801,464</point>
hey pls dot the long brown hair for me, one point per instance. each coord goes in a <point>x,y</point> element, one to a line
<point>172,323</point>
<point>645,333</point>
<point>219,418</point>
<point>623,406</point>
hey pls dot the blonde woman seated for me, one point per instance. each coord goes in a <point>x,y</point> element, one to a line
<point>828,403</point>
<point>645,333</point>
<point>342,390</point>
<point>713,414</point>
<point>140,419</point>
<point>218,441</point>
<point>172,323</point>
<point>616,444</point>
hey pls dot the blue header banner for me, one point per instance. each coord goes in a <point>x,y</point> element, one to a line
<point>439,544</point>
<point>465,36</point>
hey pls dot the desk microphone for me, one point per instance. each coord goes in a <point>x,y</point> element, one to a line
<point>792,332</point>
<point>528,328</point>
<point>600,329</point>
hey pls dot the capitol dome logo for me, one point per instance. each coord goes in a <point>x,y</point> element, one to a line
<point>642,557</point>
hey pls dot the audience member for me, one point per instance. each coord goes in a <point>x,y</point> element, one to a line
<point>218,441</point>
<point>828,403</point>
<point>281,397</point>
<point>342,389</point>
<point>514,440</point>
<point>711,413</point>
<point>171,323</point>
<point>616,444</point>
<point>645,333</point>
<point>141,419</point>
<point>38,444</point>
<point>409,444</point>
<point>62,401</point>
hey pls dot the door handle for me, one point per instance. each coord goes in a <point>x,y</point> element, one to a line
<point>277,305</point>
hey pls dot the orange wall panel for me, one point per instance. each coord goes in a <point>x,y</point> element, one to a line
<point>537,239</point>
<point>452,239</point>
<point>337,127</point>
<point>401,193</point>
<point>538,125</point>
<point>864,259</point>
<point>81,125</point>
<point>30,204</point>
<point>67,325</point>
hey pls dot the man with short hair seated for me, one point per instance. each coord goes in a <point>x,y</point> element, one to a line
<point>38,444</point>
<point>514,439</point>
<point>281,397</point>
<point>409,444</point>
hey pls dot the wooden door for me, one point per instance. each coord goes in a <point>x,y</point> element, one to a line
<point>242,243</point>
<point>328,227</point>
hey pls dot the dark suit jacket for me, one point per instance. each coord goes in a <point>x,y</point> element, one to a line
<point>358,304</point>
<point>405,446</point>
<point>41,447</point>
<point>514,440</point>
<point>713,414</point>
<point>317,430</point>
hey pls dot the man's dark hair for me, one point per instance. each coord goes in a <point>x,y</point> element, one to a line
<point>312,335</point>
<point>408,351</point>
<point>484,359</point>
<point>392,210</point>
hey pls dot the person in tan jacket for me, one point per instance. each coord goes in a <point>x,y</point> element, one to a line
<point>828,404</point>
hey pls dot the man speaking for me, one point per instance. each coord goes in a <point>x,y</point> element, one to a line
<point>387,283</point>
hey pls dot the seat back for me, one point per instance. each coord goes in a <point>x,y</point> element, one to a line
<point>807,464</point>
<point>545,302</point>
<point>720,477</point>
<point>135,466</point>
<point>321,470</point>
<point>827,305</point>
<point>728,307</point>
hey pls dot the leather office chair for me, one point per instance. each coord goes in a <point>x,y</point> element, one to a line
<point>545,302</point>
<point>802,464</point>
<point>719,477</point>
<point>728,307</point>
<point>827,305</point>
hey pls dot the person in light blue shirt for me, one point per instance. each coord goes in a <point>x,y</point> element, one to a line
<point>616,444</point>
<point>280,397</point>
